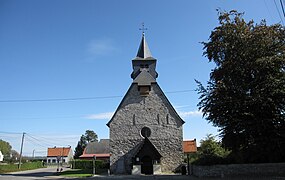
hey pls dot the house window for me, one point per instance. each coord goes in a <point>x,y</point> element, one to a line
<point>145,132</point>
<point>53,161</point>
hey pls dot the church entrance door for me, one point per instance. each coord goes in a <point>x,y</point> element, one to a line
<point>147,166</point>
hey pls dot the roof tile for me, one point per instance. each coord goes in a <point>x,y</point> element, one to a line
<point>58,151</point>
<point>189,146</point>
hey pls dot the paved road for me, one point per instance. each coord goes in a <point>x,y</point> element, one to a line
<point>43,173</point>
<point>49,173</point>
<point>180,177</point>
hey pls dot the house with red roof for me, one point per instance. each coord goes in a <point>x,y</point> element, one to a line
<point>59,155</point>
<point>100,150</point>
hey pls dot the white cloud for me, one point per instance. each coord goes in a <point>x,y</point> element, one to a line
<point>101,47</point>
<point>185,114</point>
<point>101,116</point>
<point>180,109</point>
<point>177,107</point>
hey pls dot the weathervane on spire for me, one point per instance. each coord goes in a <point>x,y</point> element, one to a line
<point>143,28</point>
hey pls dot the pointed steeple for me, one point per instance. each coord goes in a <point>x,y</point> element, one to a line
<point>143,51</point>
<point>144,64</point>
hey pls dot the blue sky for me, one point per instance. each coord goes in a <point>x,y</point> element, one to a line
<point>72,49</point>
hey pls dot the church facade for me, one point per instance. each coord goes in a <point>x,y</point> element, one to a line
<point>146,133</point>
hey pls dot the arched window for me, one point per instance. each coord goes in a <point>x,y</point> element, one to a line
<point>134,119</point>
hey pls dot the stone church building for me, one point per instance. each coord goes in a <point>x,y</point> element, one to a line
<point>146,133</point>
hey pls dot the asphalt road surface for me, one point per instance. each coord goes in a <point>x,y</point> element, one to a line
<point>50,173</point>
<point>43,173</point>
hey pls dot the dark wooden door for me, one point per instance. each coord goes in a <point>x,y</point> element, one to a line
<point>147,166</point>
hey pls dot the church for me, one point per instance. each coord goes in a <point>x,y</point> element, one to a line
<point>146,133</point>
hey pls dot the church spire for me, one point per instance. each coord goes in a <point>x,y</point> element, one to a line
<point>144,64</point>
<point>143,51</point>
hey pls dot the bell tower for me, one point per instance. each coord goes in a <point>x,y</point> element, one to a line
<point>144,61</point>
<point>144,65</point>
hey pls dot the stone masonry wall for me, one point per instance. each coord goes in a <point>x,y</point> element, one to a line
<point>231,170</point>
<point>136,112</point>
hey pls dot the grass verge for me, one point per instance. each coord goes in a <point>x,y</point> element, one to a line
<point>82,172</point>
<point>5,168</point>
<point>76,173</point>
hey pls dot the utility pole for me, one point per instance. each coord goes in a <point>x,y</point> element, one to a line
<point>34,154</point>
<point>94,165</point>
<point>22,144</point>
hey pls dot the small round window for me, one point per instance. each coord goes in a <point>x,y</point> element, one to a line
<point>145,132</point>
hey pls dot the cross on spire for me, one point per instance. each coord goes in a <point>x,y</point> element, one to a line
<point>143,28</point>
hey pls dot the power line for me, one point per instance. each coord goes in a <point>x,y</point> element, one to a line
<point>77,99</point>
<point>278,12</point>
<point>29,139</point>
<point>44,140</point>
<point>57,99</point>
<point>268,10</point>
<point>33,139</point>
<point>47,117</point>
<point>44,143</point>
<point>5,132</point>
<point>282,8</point>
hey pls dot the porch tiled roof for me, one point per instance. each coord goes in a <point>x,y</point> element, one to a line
<point>189,146</point>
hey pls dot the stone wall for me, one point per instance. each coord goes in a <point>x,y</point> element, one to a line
<point>135,112</point>
<point>259,170</point>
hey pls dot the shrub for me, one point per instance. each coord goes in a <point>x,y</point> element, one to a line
<point>86,164</point>
<point>25,166</point>
<point>211,152</point>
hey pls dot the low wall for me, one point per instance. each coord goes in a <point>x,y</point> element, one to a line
<point>268,169</point>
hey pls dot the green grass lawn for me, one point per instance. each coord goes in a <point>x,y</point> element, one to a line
<point>5,168</point>
<point>77,173</point>
<point>81,172</point>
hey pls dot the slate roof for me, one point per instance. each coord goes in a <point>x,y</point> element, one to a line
<point>143,51</point>
<point>58,151</point>
<point>101,147</point>
<point>145,147</point>
<point>144,79</point>
<point>189,146</point>
<point>98,149</point>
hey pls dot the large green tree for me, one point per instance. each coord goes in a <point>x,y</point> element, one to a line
<point>89,136</point>
<point>80,147</point>
<point>5,147</point>
<point>245,96</point>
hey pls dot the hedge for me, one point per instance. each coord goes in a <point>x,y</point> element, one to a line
<point>87,164</point>
<point>25,166</point>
